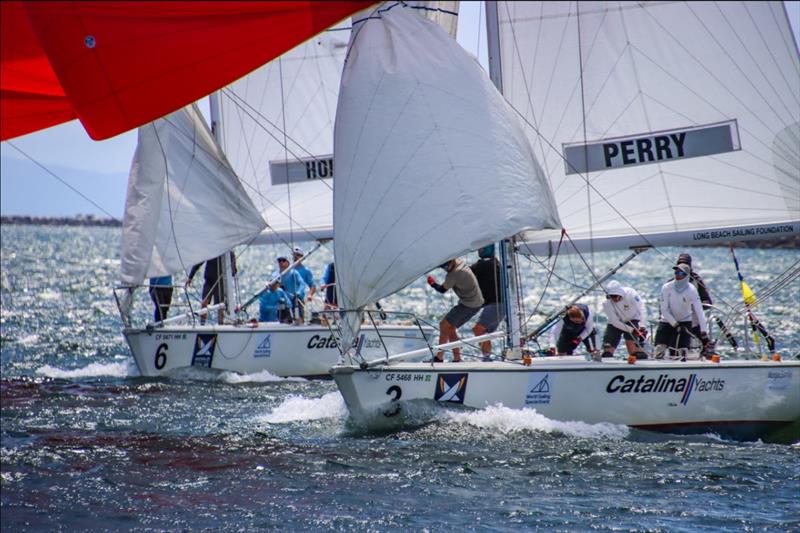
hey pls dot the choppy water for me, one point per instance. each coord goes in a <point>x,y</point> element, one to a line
<point>87,444</point>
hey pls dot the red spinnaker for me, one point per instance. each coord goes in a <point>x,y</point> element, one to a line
<point>118,65</point>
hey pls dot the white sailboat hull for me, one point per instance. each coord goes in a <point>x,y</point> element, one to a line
<point>741,399</point>
<point>282,350</point>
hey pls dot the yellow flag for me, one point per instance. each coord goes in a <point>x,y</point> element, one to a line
<point>748,295</point>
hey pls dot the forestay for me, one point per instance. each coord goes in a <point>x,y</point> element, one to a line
<point>184,202</point>
<point>687,115</point>
<point>430,160</point>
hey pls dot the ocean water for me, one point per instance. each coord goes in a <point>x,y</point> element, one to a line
<point>88,444</point>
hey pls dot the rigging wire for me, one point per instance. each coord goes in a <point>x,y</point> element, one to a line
<point>56,176</point>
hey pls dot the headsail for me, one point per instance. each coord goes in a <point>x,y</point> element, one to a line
<point>687,115</point>
<point>184,202</point>
<point>430,160</point>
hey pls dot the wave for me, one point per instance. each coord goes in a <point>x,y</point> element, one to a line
<point>258,377</point>
<point>299,408</point>
<point>505,420</point>
<point>122,369</point>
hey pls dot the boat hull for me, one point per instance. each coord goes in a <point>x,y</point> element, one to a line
<point>740,399</point>
<point>282,350</point>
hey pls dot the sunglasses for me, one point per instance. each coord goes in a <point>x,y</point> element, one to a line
<point>680,274</point>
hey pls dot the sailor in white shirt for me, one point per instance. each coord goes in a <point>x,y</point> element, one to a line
<point>679,299</point>
<point>625,312</point>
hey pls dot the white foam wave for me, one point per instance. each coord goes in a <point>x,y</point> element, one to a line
<point>258,377</point>
<point>506,420</point>
<point>49,294</point>
<point>29,340</point>
<point>122,369</point>
<point>299,408</point>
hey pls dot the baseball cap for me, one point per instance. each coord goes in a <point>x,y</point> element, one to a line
<point>685,259</point>
<point>298,251</point>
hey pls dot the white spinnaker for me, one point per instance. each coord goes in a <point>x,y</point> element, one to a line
<point>184,202</point>
<point>649,67</point>
<point>431,161</point>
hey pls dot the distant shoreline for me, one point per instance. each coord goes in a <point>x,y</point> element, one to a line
<point>79,220</point>
<point>792,242</point>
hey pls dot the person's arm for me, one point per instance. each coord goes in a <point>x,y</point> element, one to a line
<point>312,286</point>
<point>192,272</point>
<point>300,284</point>
<point>432,283</point>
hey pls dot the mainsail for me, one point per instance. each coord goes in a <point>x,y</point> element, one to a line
<point>184,203</point>
<point>277,130</point>
<point>686,115</point>
<point>431,161</point>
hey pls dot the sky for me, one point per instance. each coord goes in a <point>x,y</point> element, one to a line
<point>82,176</point>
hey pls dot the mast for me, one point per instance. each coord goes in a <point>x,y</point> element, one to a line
<point>507,260</point>
<point>227,267</point>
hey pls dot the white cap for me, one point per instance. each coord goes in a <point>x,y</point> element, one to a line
<point>614,288</point>
<point>297,250</point>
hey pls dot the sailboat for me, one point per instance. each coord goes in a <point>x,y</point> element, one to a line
<point>607,91</point>
<point>196,191</point>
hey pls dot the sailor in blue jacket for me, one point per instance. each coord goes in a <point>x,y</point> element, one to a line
<point>305,273</point>
<point>293,285</point>
<point>271,302</point>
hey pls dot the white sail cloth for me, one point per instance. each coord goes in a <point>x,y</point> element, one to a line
<point>596,71</point>
<point>184,202</point>
<point>277,130</point>
<point>430,160</point>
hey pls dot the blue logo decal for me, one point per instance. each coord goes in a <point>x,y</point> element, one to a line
<point>204,350</point>
<point>264,349</point>
<point>538,389</point>
<point>450,388</point>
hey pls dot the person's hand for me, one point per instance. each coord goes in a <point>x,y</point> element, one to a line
<point>431,281</point>
<point>309,297</point>
<point>576,341</point>
<point>674,325</point>
<point>639,333</point>
<point>704,339</point>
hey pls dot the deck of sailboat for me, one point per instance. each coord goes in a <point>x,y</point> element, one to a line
<point>575,362</point>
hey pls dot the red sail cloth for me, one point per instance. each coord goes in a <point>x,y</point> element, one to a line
<point>118,65</point>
